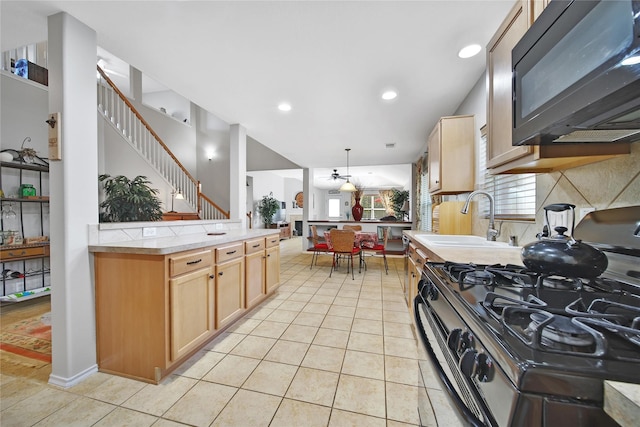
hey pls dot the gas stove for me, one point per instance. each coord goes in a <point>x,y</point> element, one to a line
<point>516,347</point>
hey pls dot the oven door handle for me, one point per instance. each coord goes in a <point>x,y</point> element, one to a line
<point>468,416</point>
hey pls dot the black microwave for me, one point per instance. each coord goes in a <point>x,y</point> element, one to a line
<point>576,74</point>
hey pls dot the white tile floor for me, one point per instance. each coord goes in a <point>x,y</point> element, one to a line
<point>320,352</point>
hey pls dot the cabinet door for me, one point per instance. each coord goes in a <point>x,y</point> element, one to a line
<point>191,311</point>
<point>499,120</point>
<point>272,268</point>
<point>229,291</point>
<point>434,159</point>
<point>414,278</point>
<point>254,277</point>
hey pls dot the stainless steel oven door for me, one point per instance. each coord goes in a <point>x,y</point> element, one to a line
<point>477,387</point>
<point>468,408</point>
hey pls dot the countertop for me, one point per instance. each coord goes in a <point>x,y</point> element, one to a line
<point>503,255</point>
<point>169,245</point>
<point>621,400</point>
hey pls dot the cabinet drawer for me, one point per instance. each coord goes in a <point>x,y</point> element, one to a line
<point>181,264</point>
<point>253,246</point>
<point>273,241</point>
<point>229,252</point>
<point>20,252</point>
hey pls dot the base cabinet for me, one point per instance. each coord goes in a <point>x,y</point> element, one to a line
<point>155,311</point>
<point>229,284</point>
<point>254,263</point>
<point>192,308</point>
<point>417,260</point>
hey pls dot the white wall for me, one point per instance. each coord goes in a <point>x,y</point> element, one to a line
<point>265,183</point>
<point>212,136</point>
<point>175,105</point>
<point>24,107</point>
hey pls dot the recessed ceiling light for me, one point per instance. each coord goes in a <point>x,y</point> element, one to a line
<point>284,106</point>
<point>389,95</point>
<point>469,51</point>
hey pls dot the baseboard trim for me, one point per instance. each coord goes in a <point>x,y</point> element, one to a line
<point>70,382</point>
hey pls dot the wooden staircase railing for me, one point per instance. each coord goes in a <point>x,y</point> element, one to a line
<point>119,111</point>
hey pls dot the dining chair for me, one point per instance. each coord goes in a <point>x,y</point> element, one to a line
<point>379,249</point>
<point>318,246</point>
<point>343,244</point>
<point>352,227</point>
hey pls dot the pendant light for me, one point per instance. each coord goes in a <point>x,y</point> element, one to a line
<point>348,186</point>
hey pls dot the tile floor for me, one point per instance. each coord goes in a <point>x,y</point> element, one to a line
<point>320,352</point>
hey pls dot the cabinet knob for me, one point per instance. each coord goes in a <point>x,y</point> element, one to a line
<point>220,274</point>
<point>211,276</point>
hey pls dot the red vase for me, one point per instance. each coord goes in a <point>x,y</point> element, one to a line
<point>357,210</point>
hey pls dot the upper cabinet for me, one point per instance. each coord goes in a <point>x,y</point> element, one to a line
<point>451,156</point>
<point>502,156</point>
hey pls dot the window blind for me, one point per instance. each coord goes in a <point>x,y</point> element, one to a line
<point>426,209</point>
<point>514,194</point>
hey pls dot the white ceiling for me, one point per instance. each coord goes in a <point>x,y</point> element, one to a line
<point>330,60</point>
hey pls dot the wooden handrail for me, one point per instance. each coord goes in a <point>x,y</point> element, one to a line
<point>144,122</point>
<point>225,213</point>
<point>196,183</point>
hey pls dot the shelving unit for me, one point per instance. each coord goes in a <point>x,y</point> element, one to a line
<point>24,258</point>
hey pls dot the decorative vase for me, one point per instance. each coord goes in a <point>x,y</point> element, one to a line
<point>357,210</point>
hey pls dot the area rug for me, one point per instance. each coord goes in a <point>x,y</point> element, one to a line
<point>29,338</point>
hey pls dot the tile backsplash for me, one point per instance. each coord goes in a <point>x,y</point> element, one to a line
<point>607,184</point>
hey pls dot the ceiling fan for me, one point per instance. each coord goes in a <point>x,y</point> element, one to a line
<point>336,176</point>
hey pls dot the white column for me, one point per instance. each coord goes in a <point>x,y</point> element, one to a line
<point>307,189</point>
<point>238,173</point>
<point>74,198</point>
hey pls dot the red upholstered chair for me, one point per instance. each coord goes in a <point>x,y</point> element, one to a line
<point>379,249</point>
<point>343,244</point>
<point>318,247</point>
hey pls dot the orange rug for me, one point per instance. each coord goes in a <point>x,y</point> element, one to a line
<point>29,338</point>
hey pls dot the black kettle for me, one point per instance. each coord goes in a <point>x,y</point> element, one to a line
<point>562,255</point>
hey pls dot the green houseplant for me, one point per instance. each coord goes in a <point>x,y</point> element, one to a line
<point>267,208</point>
<point>397,200</point>
<point>128,200</point>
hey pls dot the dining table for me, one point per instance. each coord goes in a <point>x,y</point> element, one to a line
<point>363,239</point>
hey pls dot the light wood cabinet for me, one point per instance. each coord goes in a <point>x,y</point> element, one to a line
<point>229,284</point>
<point>502,156</point>
<point>417,259</point>
<point>192,310</point>
<point>272,265</point>
<point>451,156</point>
<point>255,266</point>
<point>155,311</point>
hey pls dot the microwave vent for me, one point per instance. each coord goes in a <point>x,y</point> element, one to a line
<point>596,135</point>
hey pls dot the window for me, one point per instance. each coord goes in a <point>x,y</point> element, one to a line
<point>514,194</point>
<point>334,207</point>
<point>373,207</point>
<point>426,208</point>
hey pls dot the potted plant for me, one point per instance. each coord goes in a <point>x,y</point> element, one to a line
<point>267,208</point>
<point>397,201</point>
<point>129,200</point>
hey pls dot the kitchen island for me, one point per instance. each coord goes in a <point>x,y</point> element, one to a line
<point>160,300</point>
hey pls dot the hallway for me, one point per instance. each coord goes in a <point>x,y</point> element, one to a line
<point>320,352</point>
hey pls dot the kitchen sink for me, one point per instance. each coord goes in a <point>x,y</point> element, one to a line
<point>454,240</point>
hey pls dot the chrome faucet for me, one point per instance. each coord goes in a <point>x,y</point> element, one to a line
<point>492,233</point>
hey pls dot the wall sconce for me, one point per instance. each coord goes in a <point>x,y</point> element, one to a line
<point>209,154</point>
<point>176,194</point>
